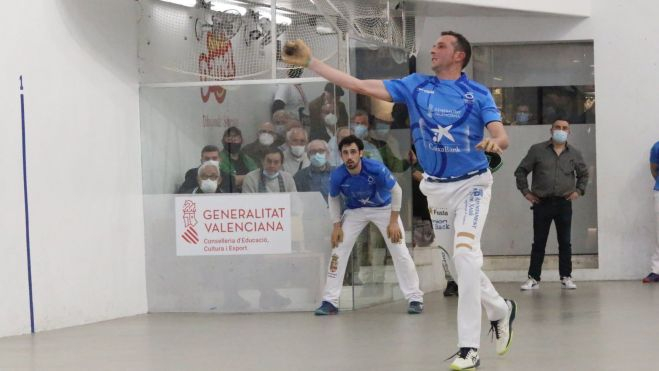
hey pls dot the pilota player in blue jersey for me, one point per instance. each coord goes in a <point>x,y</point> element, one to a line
<point>370,193</point>
<point>449,114</point>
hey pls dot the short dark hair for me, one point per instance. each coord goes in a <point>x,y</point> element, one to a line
<point>272,149</point>
<point>462,44</point>
<point>210,148</point>
<point>334,89</point>
<point>350,139</point>
<point>231,131</point>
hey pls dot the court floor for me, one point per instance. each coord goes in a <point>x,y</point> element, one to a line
<point>599,326</point>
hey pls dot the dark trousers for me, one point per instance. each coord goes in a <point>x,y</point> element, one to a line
<point>558,210</point>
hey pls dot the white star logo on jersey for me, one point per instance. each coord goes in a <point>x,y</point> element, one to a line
<point>365,201</point>
<point>441,132</point>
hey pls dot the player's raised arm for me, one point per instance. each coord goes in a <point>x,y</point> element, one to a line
<point>298,53</point>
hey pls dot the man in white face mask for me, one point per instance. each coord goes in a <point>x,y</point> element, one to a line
<point>265,138</point>
<point>208,153</point>
<point>209,179</point>
<point>326,111</point>
<point>295,156</point>
<point>281,120</point>
<point>360,125</point>
<point>559,176</point>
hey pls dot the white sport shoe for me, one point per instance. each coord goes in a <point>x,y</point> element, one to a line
<point>566,283</point>
<point>467,359</point>
<point>530,284</point>
<point>503,329</point>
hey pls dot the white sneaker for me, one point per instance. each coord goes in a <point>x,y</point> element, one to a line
<point>503,328</point>
<point>467,359</point>
<point>566,283</point>
<point>530,284</point>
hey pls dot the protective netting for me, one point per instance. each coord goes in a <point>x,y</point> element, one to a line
<point>235,39</point>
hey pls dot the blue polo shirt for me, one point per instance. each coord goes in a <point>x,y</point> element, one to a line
<point>654,159</point>
<point>370,188</point>
<point>448,118</point>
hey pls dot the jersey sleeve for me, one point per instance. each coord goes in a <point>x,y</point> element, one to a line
<point>654,154</point>
<point>489,110</point>
<point>385,179</point>
<point>334,186</point>
<point>399,89</point>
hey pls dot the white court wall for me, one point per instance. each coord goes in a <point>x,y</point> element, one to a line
<point>79,62</point>
<point>14,306</point>
<point>625,76</point>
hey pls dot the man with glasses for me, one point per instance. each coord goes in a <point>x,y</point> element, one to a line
<point>208,153</point>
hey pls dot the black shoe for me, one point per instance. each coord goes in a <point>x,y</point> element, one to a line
<point>451,289</point>
<point>415,307</point>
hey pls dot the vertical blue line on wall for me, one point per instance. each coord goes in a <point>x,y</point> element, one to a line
<point>27,213</point>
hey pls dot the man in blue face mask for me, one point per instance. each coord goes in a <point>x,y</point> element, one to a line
<point>315,178</point>
<point>523,116</point>
<point>560,176</point>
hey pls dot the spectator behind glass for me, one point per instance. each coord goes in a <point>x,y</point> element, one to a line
<point>360,126</point>
<point>270,178</point>
<point>281,120</point>
<point>265,138</point>
<point>295,156</point>
<point>325,109</point>
<point>210,179</point>
<point>315,178</point>
<point>291,97</point>
<point>208,153</point>
<point>232,159</point>
<point>388,147</point>
<point>401,116</point>
<point>523,116</point>
<point>335,154</point>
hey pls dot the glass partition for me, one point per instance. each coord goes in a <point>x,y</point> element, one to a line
<point>388,140</point>
<point>177,125</point>
<point>533,85</point>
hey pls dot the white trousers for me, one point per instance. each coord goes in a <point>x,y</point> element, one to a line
<point>354,221</point>
<point>655,257</point>
<point>458,211</point>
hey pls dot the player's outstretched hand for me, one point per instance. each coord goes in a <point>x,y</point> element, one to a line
<point>393,232</point>
<point>489,145</point>
<point>296,53</point>
<point>337,236</point>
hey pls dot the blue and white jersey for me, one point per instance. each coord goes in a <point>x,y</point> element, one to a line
<point>654,159</point>
<point>447,119</point>
<point>370,188</point>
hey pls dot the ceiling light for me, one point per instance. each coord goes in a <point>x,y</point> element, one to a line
<point>189,3</point>
<point>223,7</point>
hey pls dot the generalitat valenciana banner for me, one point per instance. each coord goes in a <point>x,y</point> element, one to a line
<point>233,224</point>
